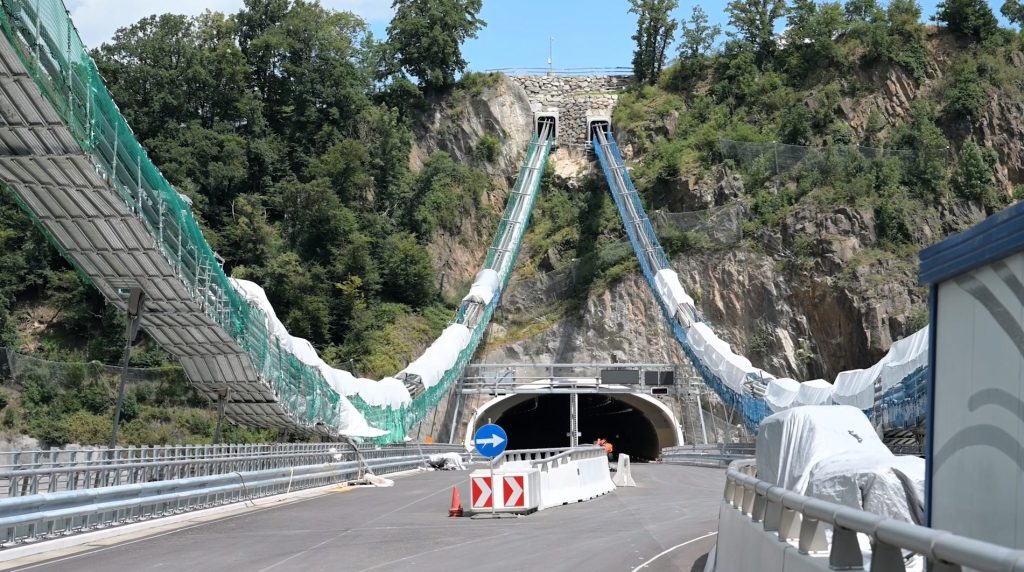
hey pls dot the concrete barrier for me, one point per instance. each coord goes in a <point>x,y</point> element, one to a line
<point>574,476</point>
<point>623,475</point>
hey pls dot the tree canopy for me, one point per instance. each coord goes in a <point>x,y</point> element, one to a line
<point>655,30</point>
<point>425,38</point>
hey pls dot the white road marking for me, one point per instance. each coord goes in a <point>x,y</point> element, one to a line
<point>664,552</point>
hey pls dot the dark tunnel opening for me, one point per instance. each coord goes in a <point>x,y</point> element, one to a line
<point>549,121</point>
<point>598,125</point>
<point>543,422</point>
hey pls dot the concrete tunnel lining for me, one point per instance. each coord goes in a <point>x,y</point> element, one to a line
<point>651,426</point>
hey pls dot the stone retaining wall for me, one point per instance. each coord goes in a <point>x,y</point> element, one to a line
<point>574,97</point>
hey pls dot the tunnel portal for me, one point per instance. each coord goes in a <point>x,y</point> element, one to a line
<point>542,421</point>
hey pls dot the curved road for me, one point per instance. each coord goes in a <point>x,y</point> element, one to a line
<point>663,524</point>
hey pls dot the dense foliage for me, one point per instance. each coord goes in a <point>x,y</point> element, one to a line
<point>426,36</point>
<point>766,89</point>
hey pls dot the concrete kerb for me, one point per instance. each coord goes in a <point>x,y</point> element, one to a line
<point>42,550</point>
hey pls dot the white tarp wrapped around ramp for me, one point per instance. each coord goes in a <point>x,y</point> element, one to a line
<point>697,335</point>
<point>734,370</point>
<point>904,358</point>
<point>791,443</point>
<point>857,387</point>
<point>387,392</point>
<point>814,392</point>
<point>485,285</point>
<point>781,392</point>
<point>672,292</point>
<point>441,355</point>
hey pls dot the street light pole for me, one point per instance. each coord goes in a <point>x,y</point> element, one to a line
<point>136,301</point>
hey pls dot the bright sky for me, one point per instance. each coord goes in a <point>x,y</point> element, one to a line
<point>587,33</point>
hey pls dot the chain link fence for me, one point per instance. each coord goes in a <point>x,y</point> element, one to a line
<point>19,367</point>
<point>722,225</point>
<point>782,157</point>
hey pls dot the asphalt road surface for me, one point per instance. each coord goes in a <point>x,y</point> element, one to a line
<point>665,523</point>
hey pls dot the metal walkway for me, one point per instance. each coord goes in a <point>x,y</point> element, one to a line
<point>71,161</point>
<point>901,407</point>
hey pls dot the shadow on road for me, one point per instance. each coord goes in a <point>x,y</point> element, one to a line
<point>698,565</point>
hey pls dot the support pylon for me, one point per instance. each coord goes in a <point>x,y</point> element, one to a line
<point>456,509</point>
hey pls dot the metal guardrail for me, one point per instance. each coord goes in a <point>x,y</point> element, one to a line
<point>713,455</point>
<point>795,517</point>
<point>571,454</point>
<point>31,472</point>
<point>531,454</point>
<point>43,516</point>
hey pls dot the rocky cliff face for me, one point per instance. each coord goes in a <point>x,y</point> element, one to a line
<point>813,297</point>
<point>456,125</point>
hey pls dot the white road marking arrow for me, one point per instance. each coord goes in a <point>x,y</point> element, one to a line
<point>515,496</point>
<point>494,440</point>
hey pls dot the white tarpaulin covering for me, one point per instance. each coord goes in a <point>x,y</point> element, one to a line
<point>857,387</point>
<point>484,286</point>
<point>813,392</point>
<point>441,355</point>
<point>734,370</point>
<point>697,335</point>
<point>905,357</point>
<point>781,392</point>
<point>867,481</point>
<point>791,443</point>
<point>352,422</point>
<point>670,290</point>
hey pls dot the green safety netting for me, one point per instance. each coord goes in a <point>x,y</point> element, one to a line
<point>42,34</point>
<point>397,422</point>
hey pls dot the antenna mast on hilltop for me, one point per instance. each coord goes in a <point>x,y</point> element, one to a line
<point>551,41</point>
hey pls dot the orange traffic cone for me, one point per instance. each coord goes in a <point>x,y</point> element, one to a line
<point>456,509</point>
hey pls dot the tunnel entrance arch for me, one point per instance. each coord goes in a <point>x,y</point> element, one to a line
<point>637,424</point>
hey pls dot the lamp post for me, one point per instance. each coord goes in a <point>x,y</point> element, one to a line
<point>136,301</point>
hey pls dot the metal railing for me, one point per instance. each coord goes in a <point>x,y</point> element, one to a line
<point>531,454</point>
<point>804,521</point>
<point>43,516</point>
<point>711,455</point>
<point>29,472</point>
<point>571,454</point>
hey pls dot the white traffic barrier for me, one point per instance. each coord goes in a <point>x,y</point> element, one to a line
<point>576,475</point>
<point>623,476</point>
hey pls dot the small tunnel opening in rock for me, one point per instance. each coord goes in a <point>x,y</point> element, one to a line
<point>548,121</point>
<point>597,125</point>
<point>543,422</point>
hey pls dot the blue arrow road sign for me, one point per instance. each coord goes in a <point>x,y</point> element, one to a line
<point>490,440</point>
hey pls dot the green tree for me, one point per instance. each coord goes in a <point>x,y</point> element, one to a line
<point>927,171</point>
<point>754,23</point>
<point>655,29</point>
<point>965,91</point>
<point>426,37</point>
<point>811,38</point>
<point>971,18</point>
<point>698,36</point>
<point>972,176</point>
<point>406,270</point>
<point>1013,10</point>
